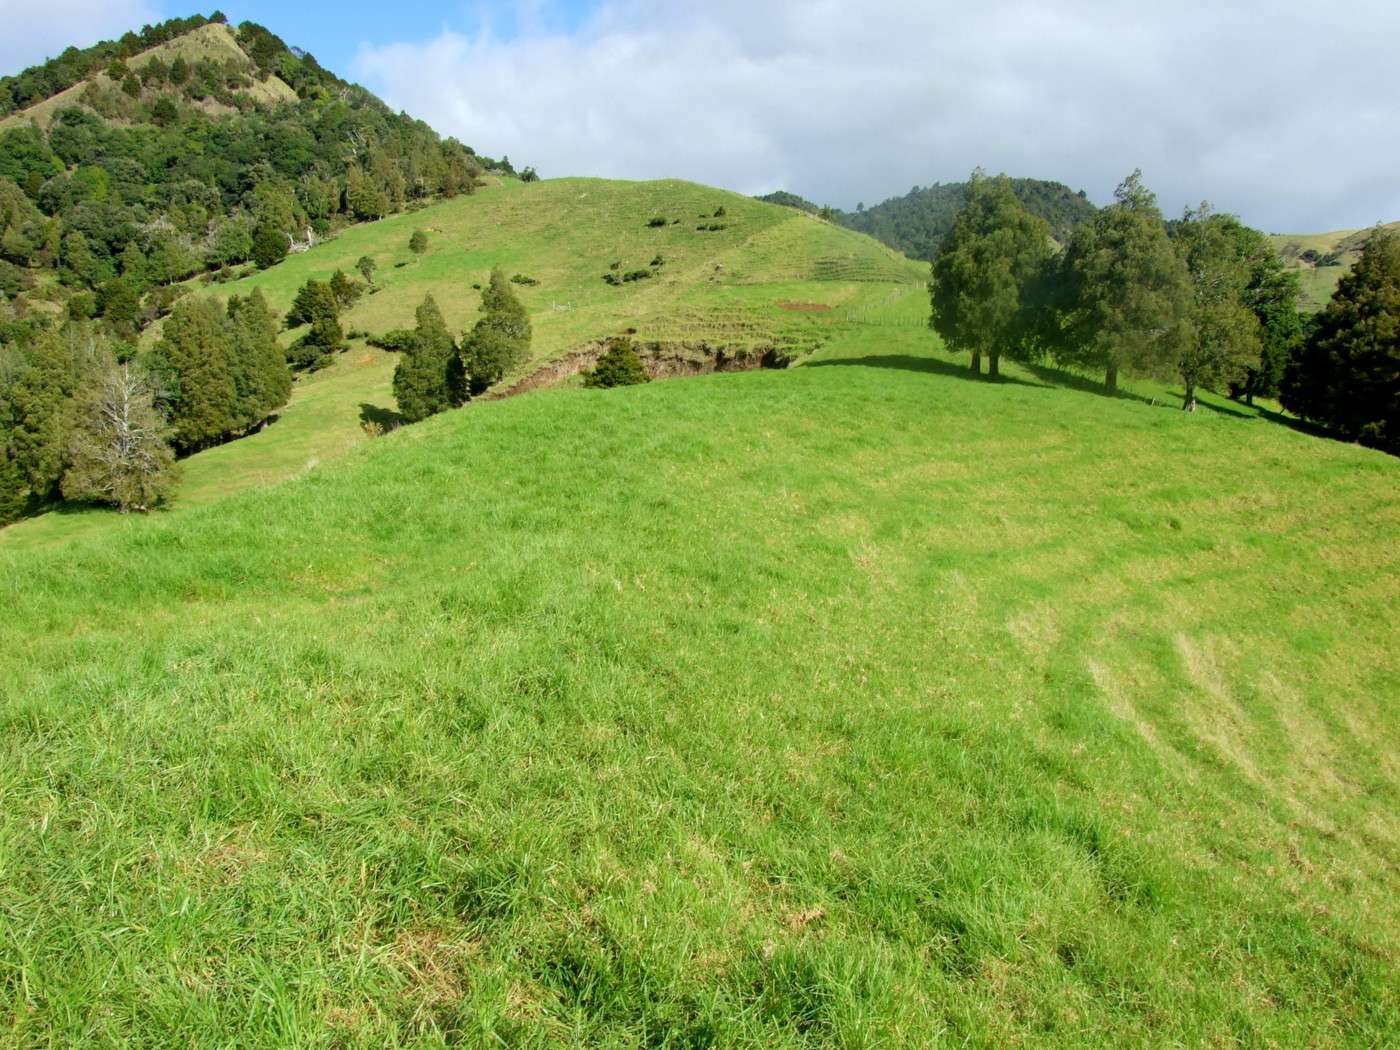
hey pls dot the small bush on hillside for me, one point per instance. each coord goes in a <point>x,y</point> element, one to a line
<point>418,243</point>
<point>619,366</point>
<point>658,261</point>
<point>521,278</point>
<point>396,339</point>
<point>719,212</point>
<point>658,222</point>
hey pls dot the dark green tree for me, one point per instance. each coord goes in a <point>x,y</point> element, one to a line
<point>985,272</point>
<point>428,378</point>
<point>418,243</point>
<point>262,380</point>
<point>1222,339</point>
<point>500,339</point>
<point>618,366</point>
<point>270,244</point>
<point>120,307</point>
<point>1125,296</point>
<point>1347,374</point>
<point>343,290</point>
<point>193,358</point>
<point>37,414</point>
<point>313,300</point>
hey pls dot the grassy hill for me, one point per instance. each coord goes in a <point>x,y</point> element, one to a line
<point>859,704</point>
<point>769,278</point>
<point>1305,254</point>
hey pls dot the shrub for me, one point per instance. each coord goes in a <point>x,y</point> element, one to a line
<point>658,261</point>
<point>658,222</point>
<point>418,243</point>
<point>521,278</point>
<point>396,339</point>
<point>619,366</point>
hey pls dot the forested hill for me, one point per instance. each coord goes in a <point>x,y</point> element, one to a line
<point>915,223</point>
<point>194,146</point>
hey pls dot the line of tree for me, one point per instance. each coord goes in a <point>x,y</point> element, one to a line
<point>85,416</point>
<point>1204,298</point>
<point>435,372</point>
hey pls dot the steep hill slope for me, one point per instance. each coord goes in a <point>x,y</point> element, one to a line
<point>858,704</point>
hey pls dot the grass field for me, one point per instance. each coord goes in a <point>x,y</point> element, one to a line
<point>734,287</point>
<point>857,705</point>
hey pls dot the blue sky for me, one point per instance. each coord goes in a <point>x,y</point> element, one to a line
<point>1281,111</point>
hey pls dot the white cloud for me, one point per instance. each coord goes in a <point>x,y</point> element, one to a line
<point>32,31</point>
<point>1280,111</point>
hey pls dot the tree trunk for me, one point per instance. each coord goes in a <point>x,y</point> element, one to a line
<point>993,371</point>
<point>1189,403</point>
<point>1249,396</point>
<point>977,362</point>
<point>1110,380</point>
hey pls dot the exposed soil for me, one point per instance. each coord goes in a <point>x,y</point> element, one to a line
<point>661,361</point>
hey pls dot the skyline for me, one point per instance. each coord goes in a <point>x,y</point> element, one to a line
<point>1227,106</point>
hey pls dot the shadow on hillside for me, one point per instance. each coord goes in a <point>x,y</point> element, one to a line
<point>384,417</point>
<point>1224,410</point>
<point>932,365</point>
<point>1059,377</point>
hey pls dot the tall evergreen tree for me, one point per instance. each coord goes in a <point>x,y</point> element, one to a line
<point>500,339</point>
<point>118,450</point>
<point>1222,340</point>
<point>193,357</point>
<point>1347,375</point>
<point>1125,294</point>
<point>38,402</point>
<point>428,378</point>
<point>262,380</point>
<point>984,271</point>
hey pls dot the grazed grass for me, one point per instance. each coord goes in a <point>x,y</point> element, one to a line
<point>856,705</point>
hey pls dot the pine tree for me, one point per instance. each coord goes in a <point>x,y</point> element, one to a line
<point>618,366</point>
<point>1126,294</point>
<point>343,289</point>
<point>262,380</point>
<point>270,244</point>
<point>193,354</point>
<point>984,273</point>
<point>428,378</point>
<point>1347,375</point>
<point>1222,340</point>
<point>313,300</point>
<point>500,339</point>
<point>118,449</point>
<point>38,402</point>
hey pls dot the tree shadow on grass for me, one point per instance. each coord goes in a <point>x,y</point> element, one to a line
<point>1066,380</point>
<point>930,365</point>
<point>386,418</point>
<point>1223,410</point>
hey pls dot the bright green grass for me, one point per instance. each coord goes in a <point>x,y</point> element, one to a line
<point>722,288</point>
<point>858,705</point>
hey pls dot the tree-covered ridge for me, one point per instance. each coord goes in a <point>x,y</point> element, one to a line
<point>161,169</point>
<point>917,222</point>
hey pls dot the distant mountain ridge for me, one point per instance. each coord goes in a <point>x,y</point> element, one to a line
<point>917,222</point>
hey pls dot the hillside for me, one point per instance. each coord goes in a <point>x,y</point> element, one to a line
<point>1321,260</point>
<point>193,147</point>
<point>769,280</point>
<point>857,704</point>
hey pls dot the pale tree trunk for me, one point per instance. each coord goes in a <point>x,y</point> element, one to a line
<point>1189,403</point>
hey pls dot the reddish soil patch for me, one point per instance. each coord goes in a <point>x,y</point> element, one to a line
<point>806,308</point>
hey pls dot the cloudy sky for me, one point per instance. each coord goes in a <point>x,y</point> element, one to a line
<point>1282,111</point>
